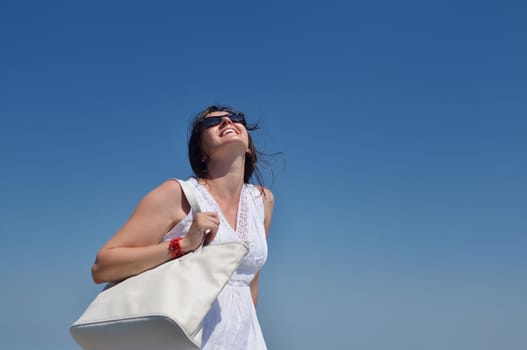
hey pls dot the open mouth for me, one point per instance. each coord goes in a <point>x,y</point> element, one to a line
<point>227,132</point>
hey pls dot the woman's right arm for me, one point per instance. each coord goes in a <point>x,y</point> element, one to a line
<point>137,246</point>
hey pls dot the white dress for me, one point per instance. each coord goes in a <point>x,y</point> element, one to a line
<point>232,322</point>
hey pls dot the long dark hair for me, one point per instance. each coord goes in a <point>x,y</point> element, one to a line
<point>195,151</point>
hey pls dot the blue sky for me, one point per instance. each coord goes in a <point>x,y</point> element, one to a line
<point>400,196</point>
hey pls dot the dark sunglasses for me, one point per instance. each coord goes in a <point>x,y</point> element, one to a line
<point>213,121</point>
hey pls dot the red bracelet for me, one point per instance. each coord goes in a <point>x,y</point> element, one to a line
<point>175,247</point>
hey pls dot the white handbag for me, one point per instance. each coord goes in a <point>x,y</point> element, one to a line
<point>162,308</point>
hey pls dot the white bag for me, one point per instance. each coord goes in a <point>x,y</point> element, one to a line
<point>162,308</point>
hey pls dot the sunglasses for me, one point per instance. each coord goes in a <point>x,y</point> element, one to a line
<point>209,122</point>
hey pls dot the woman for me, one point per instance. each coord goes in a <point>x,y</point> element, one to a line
<point>162,227</point>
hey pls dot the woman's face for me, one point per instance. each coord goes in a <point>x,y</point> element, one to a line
<point>228,134</point>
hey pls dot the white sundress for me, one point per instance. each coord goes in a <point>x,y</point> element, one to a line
<point>232,322</point>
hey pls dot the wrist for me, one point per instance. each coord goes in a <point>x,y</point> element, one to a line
<point>186,244</point>
<point>175,248</point>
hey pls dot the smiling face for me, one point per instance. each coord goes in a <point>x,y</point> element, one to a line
<point>213,134</point>
<point>221,129</point>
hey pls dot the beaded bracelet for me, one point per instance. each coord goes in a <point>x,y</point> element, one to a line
<point>175,247</point>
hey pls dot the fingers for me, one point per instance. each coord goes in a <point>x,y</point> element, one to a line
<point>207,222</point>
<point>204,227</point>
<point>211,223</point>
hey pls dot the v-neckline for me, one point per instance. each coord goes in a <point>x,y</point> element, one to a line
<point>220,211</point>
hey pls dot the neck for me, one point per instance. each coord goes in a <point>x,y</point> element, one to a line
<point>226,176</point>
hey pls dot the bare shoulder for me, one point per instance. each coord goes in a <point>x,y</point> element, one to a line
<point>268,197</point>
<point>268,202</point>
<point>166,197</point>
<point>171,190</point>
<point>171,187</point>
<point>168,191</point>
<point>156,213</point>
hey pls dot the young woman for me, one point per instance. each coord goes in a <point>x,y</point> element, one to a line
<point>162,227</point>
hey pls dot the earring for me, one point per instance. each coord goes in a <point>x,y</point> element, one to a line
<point>204,163</point>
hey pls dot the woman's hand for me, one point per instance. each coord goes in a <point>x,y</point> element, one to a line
<point>204,226</point>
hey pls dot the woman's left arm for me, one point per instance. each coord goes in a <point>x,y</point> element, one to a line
<point>268,200</point>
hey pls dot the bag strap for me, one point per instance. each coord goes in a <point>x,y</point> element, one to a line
<point>190,194</point>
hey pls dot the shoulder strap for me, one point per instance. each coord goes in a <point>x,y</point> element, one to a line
<point>190,194</point>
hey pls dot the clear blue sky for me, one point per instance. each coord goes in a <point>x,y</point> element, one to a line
<point>400,198</point>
